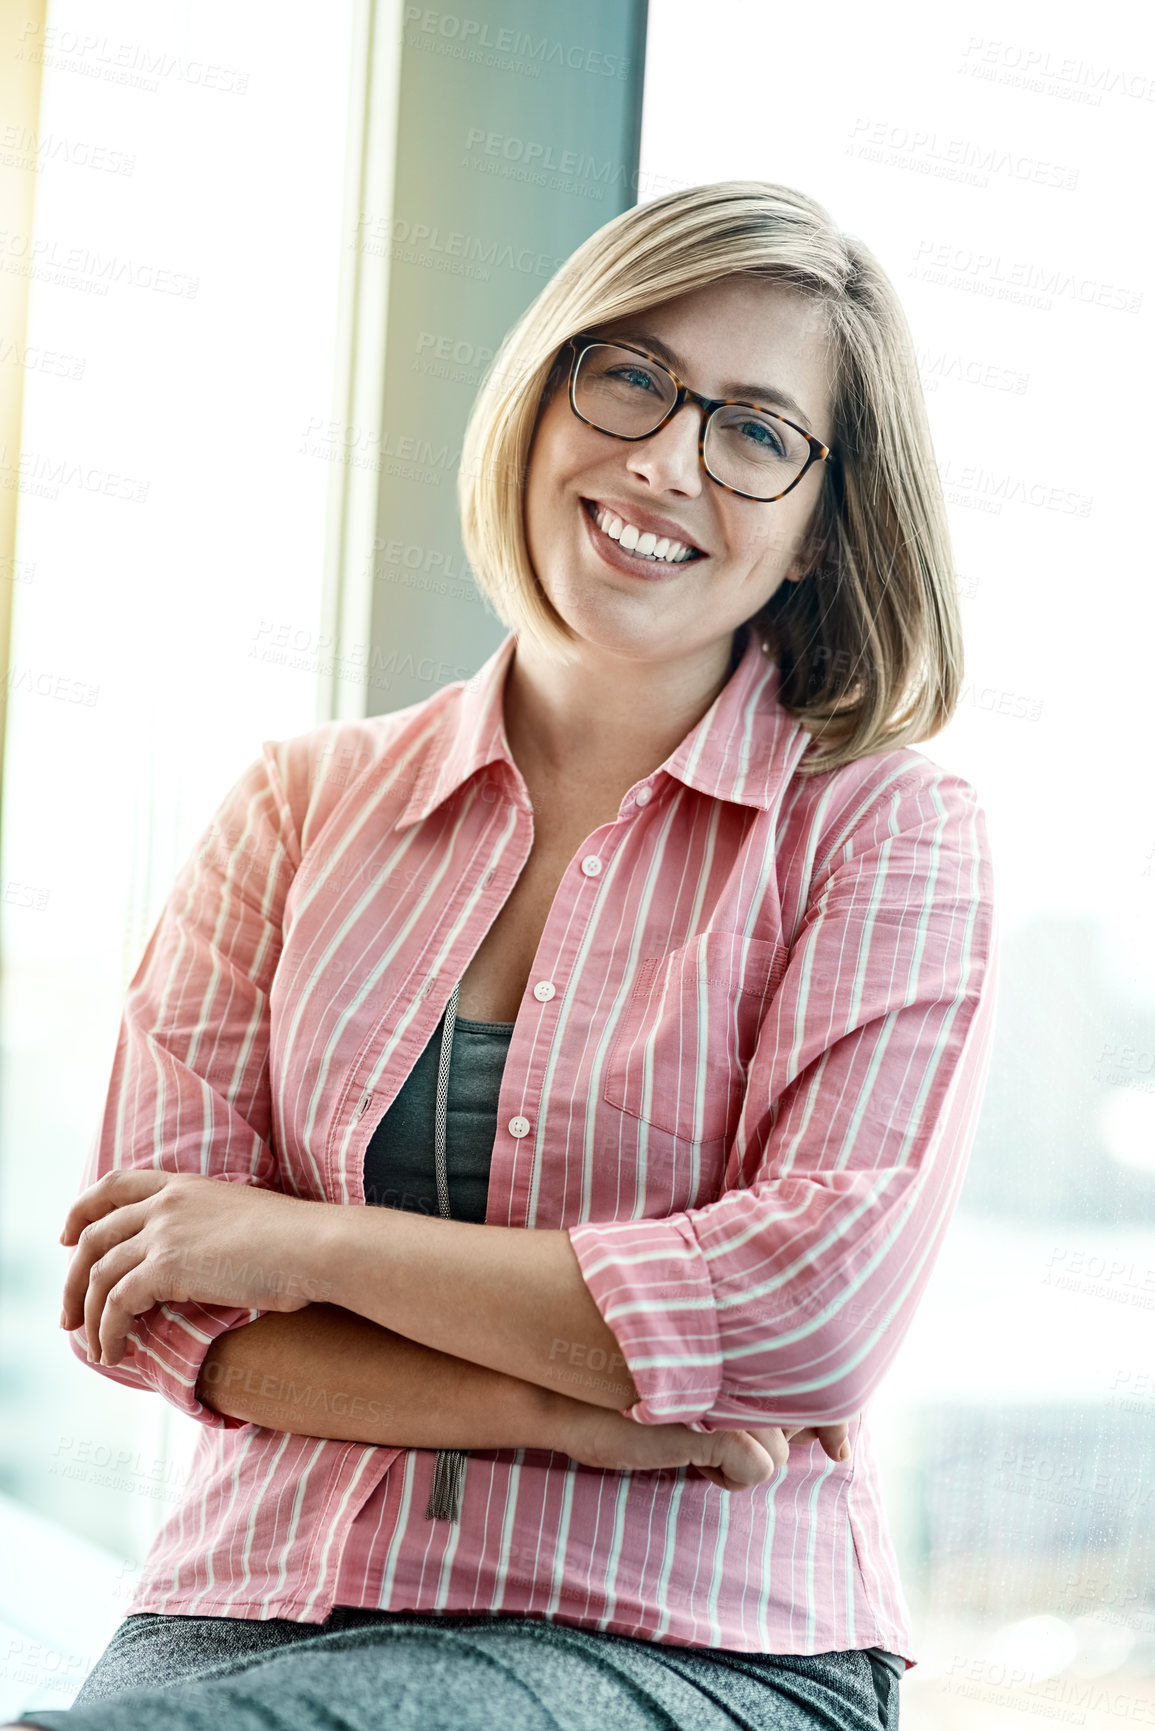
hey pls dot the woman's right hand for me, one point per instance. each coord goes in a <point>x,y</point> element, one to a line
<point>732,1460</point>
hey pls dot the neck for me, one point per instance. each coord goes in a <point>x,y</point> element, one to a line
<point>607,718</point>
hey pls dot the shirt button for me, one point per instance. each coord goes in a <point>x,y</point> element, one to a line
<point>544,990</point>
<point>519,1126</point>
<point>592,865</point>
<point>644,795</point>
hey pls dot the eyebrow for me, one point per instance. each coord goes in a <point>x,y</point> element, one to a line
<point>760,393</point>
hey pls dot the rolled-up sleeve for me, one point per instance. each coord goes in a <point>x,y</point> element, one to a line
<point>785,1300</point>
<point>189,1090</point>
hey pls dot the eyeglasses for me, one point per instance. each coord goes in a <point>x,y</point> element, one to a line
<point>619,389</point>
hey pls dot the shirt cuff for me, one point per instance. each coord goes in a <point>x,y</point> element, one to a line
<point>166,1349</point>
<point>650,1282</point>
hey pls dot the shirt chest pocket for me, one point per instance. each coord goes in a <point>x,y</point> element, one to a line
<point>685,1039</point>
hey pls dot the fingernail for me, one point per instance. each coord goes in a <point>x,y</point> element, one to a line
<point>63,1319</point>
<point>844,1451</point>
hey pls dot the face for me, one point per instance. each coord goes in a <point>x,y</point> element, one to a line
<point>740,330</point>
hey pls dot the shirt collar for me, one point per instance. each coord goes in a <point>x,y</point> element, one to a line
<point>745,747</point>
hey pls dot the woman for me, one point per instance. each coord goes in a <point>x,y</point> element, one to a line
<point>656,937</point>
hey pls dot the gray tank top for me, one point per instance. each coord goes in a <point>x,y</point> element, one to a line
<point>399,1161</point>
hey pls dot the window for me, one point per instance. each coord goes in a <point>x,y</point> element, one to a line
<point>177,450</point>
<point>983,159</point>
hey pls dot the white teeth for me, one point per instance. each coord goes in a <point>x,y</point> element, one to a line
<point>644,545</point>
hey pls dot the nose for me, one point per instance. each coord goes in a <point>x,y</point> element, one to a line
<point>669,459</point>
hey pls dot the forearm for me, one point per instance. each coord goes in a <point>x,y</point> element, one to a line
<point>507,1298</point>
<point>326,1372</point>
<point>286,1370</point>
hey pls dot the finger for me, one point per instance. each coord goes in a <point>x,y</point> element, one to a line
<point>773,1439</point>
<point>136,1291</point>
<point>126,1184</point>
<point>105,1273</point>
<point>835,1440</point>
<point>95,1241</point>
<point>764,1457</point>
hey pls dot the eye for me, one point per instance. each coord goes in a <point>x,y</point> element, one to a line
<point>763,434</point>
<point>634,378</point>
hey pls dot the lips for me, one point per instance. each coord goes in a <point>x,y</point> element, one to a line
<point>645,522</point>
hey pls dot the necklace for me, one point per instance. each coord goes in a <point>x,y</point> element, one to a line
<point>449,1468</point>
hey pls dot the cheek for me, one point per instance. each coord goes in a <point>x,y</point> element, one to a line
<point>763,557</point>
<point>783,540</point>
<point>551,463</point>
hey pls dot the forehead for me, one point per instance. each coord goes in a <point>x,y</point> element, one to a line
<point>744,331</point>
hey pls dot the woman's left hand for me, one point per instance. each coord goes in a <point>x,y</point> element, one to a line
<point>144,1236</point>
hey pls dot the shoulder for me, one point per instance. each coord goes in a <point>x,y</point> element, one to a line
<point>888,793</point>
<point>893,841</point>
<point>313,771</point>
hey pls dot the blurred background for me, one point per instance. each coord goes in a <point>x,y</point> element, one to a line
<point>253,263</point>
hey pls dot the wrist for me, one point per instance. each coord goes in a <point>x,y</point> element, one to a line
<point>571,1423</point>
<point>326,1254</point>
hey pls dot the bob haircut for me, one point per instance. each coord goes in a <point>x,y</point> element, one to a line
<point>869,642</point>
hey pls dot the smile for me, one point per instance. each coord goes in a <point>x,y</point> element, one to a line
<point>629,548</point>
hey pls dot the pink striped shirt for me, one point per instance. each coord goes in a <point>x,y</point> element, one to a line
<point>744,1077</point>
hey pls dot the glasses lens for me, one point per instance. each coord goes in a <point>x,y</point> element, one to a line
<point>750,450</point>
<point>754,451</point>
<point>622,392</point>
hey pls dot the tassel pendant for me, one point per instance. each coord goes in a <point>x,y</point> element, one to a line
<point>445,1496</point>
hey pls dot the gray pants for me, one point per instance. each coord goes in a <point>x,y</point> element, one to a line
<point>365,1670</point>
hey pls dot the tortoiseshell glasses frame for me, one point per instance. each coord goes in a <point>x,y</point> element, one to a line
<point>819,453</point>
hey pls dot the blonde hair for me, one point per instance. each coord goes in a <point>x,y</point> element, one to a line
<point>869,642</point>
